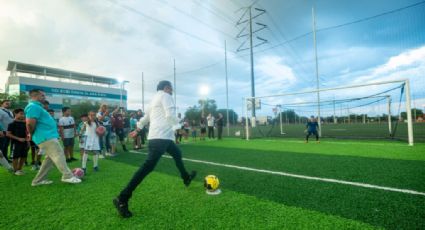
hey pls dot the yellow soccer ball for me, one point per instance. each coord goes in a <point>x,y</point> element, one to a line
<point>211,183</point>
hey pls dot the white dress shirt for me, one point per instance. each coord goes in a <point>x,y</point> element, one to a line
<point>161,115</point>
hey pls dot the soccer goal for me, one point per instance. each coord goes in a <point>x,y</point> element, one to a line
<point>364,111</point>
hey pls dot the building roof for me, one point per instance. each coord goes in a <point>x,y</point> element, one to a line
<point>59,73</point>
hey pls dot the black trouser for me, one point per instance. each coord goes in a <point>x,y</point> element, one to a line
<point>142,135</point>
<point>156,148</point>
<point>219,132</point>
<point>314,133</point>
<point>178,136</point>
<point>4,146</point>
<point>210,131</point>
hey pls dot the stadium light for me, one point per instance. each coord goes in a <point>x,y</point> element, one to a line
<point>122,83</point>
<point>204,90</point>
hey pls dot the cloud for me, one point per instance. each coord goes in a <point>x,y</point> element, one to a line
<point>273,75</point>
<point>103,38</point>
<point>408,59</point>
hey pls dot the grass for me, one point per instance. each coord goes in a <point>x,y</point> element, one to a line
<point>250,200</point>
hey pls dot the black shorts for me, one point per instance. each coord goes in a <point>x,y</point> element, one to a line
<point>312,132</point>
<point>141,133</point>
<point>68,142</point>
<point>33,145</point>
<point>203,130</point>
<point>20,150</point>
<point>120,133</point>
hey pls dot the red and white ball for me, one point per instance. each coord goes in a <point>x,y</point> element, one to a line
<point>100,131</point>
<point>78,172</point>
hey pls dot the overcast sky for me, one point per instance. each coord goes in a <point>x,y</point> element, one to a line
<point>122,39</point>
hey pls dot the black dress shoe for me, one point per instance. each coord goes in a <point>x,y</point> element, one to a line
<point>122,208</point>
<point>189,179</point>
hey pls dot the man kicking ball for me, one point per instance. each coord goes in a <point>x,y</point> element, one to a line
<point>161,115</point>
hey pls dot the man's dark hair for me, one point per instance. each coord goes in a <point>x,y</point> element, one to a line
<point>84,115</point>
<point>3,101</point>
<point>64,109</point>
<point>162,85</point>
<point>33,92</point>
<point>51,110</point>
<point>18,110</point>
<point>46,102</point>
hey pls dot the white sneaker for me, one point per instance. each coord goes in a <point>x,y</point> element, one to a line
<point>19,173</point>
<point>72,180</point>
<point>43,182</point>
<point>41,152</point>
<point>101,156</point>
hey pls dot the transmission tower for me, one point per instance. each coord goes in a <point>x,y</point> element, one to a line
<point>247,19</point>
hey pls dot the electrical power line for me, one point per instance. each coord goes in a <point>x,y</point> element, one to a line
<point>135,11</point>
<point>198,20</point>
<point>229,21</point>
<point>277,45</point>
<point>344,24</point>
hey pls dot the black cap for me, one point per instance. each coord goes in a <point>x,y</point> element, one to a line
<point>162,85</point>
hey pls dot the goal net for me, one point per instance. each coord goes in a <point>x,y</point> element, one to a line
<point>368,111</point>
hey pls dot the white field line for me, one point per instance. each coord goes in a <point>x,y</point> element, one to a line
<point>301,141</point>
<point>329,180</point>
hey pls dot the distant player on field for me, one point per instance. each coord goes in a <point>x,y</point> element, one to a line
<point>312,127</point>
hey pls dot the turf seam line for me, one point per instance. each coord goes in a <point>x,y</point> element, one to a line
<point>329,180</point>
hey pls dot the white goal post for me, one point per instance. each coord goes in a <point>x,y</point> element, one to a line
<point>403,81</point>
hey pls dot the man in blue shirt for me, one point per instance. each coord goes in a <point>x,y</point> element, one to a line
<point>43,131</point>
<point>312,127</point>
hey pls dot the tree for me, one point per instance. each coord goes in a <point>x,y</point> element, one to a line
<point>18,100</point>
<point>206,107</point>
<point>419,113</point>
<point>288,116</point>
<point>83,108</point>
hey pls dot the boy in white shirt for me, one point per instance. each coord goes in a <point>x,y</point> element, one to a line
<point>67,132</point>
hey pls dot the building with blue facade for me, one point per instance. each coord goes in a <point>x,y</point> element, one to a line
<point>64,87</point>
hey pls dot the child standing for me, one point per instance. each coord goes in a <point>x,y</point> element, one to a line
<point>193,130</point>
<point>81,134</point>
<point>17,132</point>
<point>3,160</point>
<point>67,132</point>
<point>113,142</point>
<point>91,144</point>
<point>133,126</point>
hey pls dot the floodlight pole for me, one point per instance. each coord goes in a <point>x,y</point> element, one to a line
<point>317,73</point>
<point>143,92</point>
<point>121,86</point>
<point>227,89</point>
<point>121,92</point>
<point>252,64</point>
<point>175,88</point>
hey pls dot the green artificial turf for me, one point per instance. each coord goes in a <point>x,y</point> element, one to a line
<point>250,200</point>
